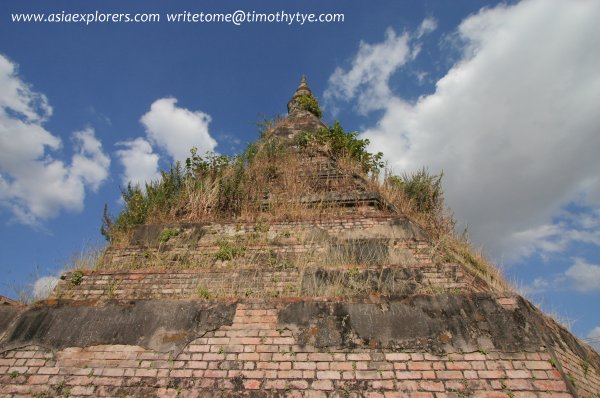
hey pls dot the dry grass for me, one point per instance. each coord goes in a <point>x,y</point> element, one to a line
<point>280,182</point>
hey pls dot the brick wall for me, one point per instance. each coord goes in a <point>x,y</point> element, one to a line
<point>581,374</point>
<point>197,244</point>
<point>203,283</point>
<point>254,355</point>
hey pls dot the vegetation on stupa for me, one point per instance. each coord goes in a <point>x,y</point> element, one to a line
<point>309,103</point>
<point>261,182</point>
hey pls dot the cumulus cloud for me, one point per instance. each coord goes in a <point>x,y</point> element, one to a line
<point>139,161</point>
<point>427,26</point>
<point>176,129</point>
<point>169,129</point>
<point>513,124</point>
<point>585,276</point>
<point>34,185</point>
<point>370,72</point>
<point>43,287</point>
<point>594,338</point>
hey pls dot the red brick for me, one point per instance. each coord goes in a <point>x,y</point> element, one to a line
<point>341,366</point>
<point>428,375</point>
<point>419,365</point>
<point>518,384</point>
<point>490,394</point>
<point>470,374</point>
<point>213,357</point>
<point>552,374</point>
<point>252,384</point>
<point>299,384</point>
<point>317,356</point>
<point>215,374</point>
<point>197,364</point>
<point>78,381</point>
<point>289,374</point>
<point>462,365</point>
<point>550,385</point>
<point>249,356</point>
<point>491,374</point>
<point>254,374</point>
<point>383,384</point>
<point>107,381</point>
<point>267,365</point>
<point>525,394</point>
<point>474,356</point>
<point>539,374</point>
<point>538,365</point>
<point>36,362</point>
<point>408,375</point>
<point>38,379</point>
<point>449,374</point>
<point>274,384</point>
<point>322,365</point>
<point>113,372</point>
<point>396,356</point>
<point>322,385</point>
<point>359,357</point>
<point>421,395</point>
<point>80,390</point>
<point>394,394</point>
<point>328,375</point>
<point>48,371</point>
<point>180,373</point>
<point>367,375</point>
<point>518,374</point>
<point>432,386</point>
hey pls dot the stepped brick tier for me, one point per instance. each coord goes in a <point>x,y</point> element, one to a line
<point>355,301</point>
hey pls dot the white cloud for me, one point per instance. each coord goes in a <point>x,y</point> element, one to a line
<point>427,26</point>
<point>43,287</point>
<point>585,276</point>
<point>176,130</point>
<point>34,185</point>
<point>594,337</point>
<point>513,124</point>
<point>370,72</point>
<point>139,161</point>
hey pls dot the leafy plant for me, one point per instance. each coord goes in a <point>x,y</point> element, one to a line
<point>76,277</point>
<point>309,103</point>
<point>203,293</point>
<point>228,251</point>
<point>167,234</point>
<point>341,144</point>
<point>422,188</point>
<point>585,365</point>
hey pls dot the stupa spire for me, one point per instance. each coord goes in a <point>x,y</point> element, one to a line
<point>303,100</point>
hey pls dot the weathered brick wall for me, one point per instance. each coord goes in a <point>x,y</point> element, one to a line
<point>203,283</point>
<point>197,244</point>
<point>253,355</point>
<point>580,373</point>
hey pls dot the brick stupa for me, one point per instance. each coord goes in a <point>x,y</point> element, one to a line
<point>345,298</point>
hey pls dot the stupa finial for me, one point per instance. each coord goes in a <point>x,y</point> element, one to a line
<point>302,91</point>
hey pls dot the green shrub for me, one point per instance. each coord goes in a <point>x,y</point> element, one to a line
<point>167,234</point>
<point>228,251</point>
<point>342,144</point>
<point>422,188</point>
<point>76,278</point>
<point>203,293</point>
<point>309,103</point>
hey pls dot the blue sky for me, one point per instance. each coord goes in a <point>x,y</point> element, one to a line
<point>501,97</point>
